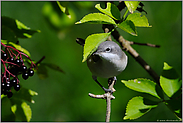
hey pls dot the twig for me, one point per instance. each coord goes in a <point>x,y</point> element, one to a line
<point>145,44</point>
<point>103,96</point>
<point>108,97</point>
<point>40,60</point>
<point>108,109</point>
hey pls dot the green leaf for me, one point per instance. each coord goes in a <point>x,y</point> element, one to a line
<point>6,113</point>
<point>136,108</point>
<point>21,110</point>
<point>58,17</point>
<point>132,5</point>
<point>24,94</point>
<point>63,8</point>
<point>138,20</point>
<point>27,111</point>
<point>8,34</point>
<point>53,66</point>
<point>42,71</point>
<point>96,18</point>
<point>33,93</point>
<point>128,26</point>
<point>2,96</point>
<point>18,47</point>
<point>15,29</point>
<point>142,85</point>
<point>14,108</point>
<point>111,10</point>
<point>92,42</point>
<point>175,104</point>
<point>169,80</point>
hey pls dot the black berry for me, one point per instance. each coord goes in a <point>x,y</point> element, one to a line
<point>9,94</point>
<point>11,59</point>
<point>17,87</point>
<point>7,86</point>
<point>4,56</point>
<point>13,82</point>
<point>25,76</point>
<point>30,72</point>
<point>18,62</point>
<point>23,68</point>
<point>13,70</point>
<point>7,79</point>
<point>3,85</point>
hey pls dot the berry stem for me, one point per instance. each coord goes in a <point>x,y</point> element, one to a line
<point>19,53</point>
<point>6,70</point>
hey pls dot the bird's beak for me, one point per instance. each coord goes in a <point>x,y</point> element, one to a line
<point>95,56</point>
<point>96,53</point>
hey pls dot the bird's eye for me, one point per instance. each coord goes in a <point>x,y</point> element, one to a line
<point>108,49</point>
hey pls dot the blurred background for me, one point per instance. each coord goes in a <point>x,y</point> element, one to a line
<point>64,97</point>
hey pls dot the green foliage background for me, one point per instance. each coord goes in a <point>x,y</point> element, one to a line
<point>64,97</point>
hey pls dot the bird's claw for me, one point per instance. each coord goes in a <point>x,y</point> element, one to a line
<point>108,90</point>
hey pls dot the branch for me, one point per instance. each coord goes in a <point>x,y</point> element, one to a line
<point>145,44</point>
<point>126,45</point>
<point>108,97</point>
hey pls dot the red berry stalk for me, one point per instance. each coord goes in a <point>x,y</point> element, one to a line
<point>13,64</point>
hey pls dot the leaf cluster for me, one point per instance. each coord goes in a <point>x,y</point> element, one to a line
<point>169,93</point>
<point>12,30</point>
<point>18,106</point>
<point>112,15</point>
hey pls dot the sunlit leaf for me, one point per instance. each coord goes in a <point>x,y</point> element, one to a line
<point>136,108</point>
<point>58,17</point>
<point>64,9</point>
<point>92,42</point>
<point>111,10</point>
<point>142,85</point>
<point>138,20</point>
<point>18,47</point>
<point>32,93</point>
<point>128,26</point>
<point>2,96</point>
<point>169,80</point>
<point>96,18</point>
<point>132,5</point>
<point>14,108</point>
<point>27,111</point>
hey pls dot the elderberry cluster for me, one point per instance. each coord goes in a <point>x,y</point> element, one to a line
<point>13,66</point>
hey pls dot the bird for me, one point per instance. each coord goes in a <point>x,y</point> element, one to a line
<point>107,61</point>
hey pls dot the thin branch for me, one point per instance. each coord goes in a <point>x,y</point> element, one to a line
<point>126,45</point>
<point>40,60</point>
<point>144,44</point>
<point>108,109</point>
<point>108,97</point>
<point>103,96</point>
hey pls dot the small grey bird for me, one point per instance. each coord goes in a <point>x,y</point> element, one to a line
<point>107,61</point>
